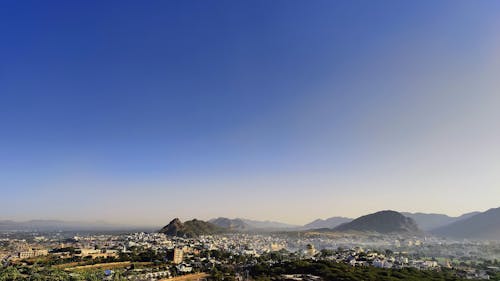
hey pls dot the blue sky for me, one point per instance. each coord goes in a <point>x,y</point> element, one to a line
<point>285,110</point>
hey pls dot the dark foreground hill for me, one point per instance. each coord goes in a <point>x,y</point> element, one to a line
<point>191,228</point>
<point>481,226</point>
<point>382,222</point>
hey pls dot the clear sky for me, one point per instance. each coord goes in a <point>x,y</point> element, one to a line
<point>141,111</point>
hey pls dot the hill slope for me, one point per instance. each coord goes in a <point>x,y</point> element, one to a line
<point>382,222</point>
<point>231,224</point>
<point>481,226</point>
<point>429,222</point>
<point>190,228</point>
<point>269,225</point>
<point>327,223</point>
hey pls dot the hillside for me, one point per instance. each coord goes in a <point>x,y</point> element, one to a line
<point>231,224</point>
<point>327,223</point>
<point>429,222</point>
<point>190,228</point>
<point>382,222</point>
<point>269,225</point>
<point>481,226</point>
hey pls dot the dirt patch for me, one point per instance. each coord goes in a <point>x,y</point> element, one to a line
<point>188,277</point>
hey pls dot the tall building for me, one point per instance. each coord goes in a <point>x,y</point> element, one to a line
<point>176,255</point>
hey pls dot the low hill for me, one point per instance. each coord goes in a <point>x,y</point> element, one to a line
<point>270,225</point>
<point>190,228</point>
<point>382,222</point>
<point>231,224</point>
<point>327,223</point>
<point>480,226</point>
<point>429,222</point>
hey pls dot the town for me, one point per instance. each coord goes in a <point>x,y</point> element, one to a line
<point>157,256</point>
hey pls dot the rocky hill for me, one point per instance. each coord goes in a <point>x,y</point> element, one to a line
<point>191,228</point>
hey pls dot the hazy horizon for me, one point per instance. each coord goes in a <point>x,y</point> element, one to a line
<point>286,110</point>
<point>168,219</point>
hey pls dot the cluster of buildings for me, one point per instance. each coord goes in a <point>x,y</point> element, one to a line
<point>246,244</point>
<point>32,253</point>
<point>359,257</point>
<point>183,255</point>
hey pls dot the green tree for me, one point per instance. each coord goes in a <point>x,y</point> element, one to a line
<point>10,274</point>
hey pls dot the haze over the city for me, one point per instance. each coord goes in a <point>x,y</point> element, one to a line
<point>273,110</point>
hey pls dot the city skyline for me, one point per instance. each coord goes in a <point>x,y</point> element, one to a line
<point>141,113</point>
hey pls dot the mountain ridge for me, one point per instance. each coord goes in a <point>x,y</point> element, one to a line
<point>231,224</point>
<point>330,223</point>
<point>430,221</point>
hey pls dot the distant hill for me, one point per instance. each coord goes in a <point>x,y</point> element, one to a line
<point>480,226</point>
<point>231,224</point>
<point>382,222</point>
<point>191,228</point>
<point>429,222</point>
<point>59,225</point>
<point>270,225</point>
<point>467,215</point>
<point>327,223</point>
<point>240,224</point>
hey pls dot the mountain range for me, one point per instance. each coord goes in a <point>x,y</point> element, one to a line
<point>381,222</point>
<point>428,222</point>
<point>475,225</point>
<point>256,225</point>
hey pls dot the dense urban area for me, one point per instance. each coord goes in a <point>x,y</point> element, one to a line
<point>294,256</point>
